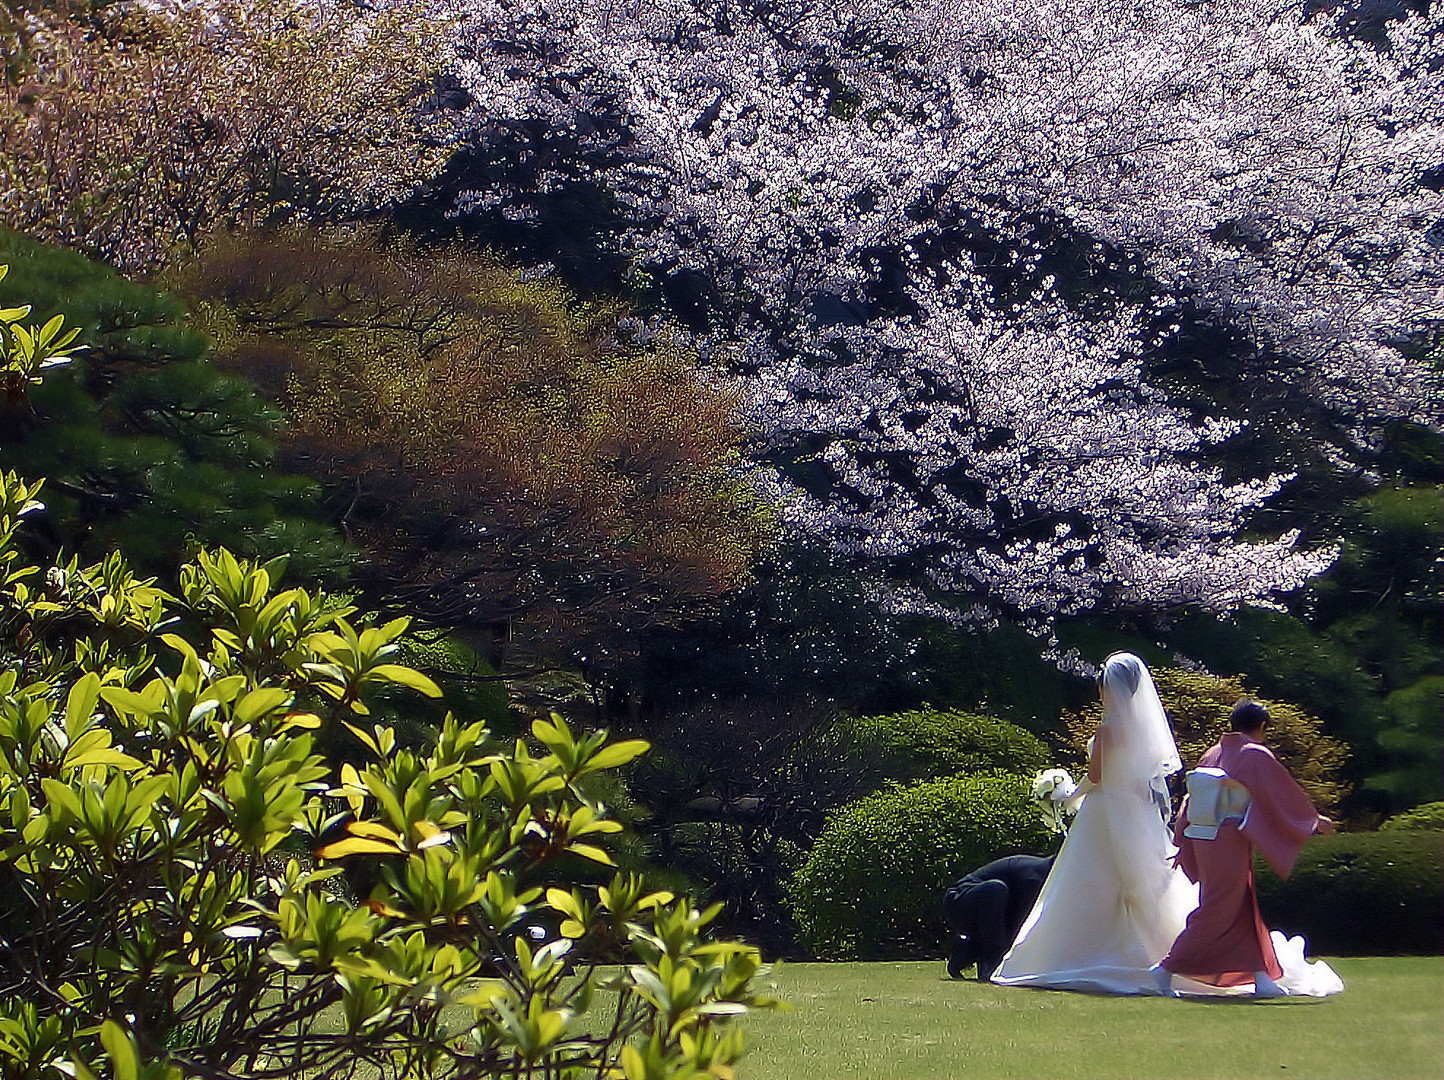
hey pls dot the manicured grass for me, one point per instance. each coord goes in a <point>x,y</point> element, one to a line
<point>911,1022</point>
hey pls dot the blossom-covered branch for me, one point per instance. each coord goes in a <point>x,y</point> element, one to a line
<point>861,187</point>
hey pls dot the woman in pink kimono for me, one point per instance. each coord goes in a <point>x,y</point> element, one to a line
<point>1245,799</point>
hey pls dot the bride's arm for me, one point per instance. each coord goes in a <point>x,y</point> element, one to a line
<point>1097,747</point>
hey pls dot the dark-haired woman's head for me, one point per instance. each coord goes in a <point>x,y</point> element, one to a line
<point>1248,716</point>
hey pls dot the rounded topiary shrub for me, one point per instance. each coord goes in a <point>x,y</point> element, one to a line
<point>1429,816</point>
<point>1362,893</point>
<point>871,887</point>
<point>925,743</point>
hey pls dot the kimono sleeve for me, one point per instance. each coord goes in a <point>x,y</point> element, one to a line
<point>1280,816</point>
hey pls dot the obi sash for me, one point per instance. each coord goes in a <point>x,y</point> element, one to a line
<point>1214,798</point>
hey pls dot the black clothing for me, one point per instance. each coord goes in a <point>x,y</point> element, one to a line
<point>987,908</point>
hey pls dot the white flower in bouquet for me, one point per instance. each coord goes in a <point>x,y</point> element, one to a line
<point>1051,788</point>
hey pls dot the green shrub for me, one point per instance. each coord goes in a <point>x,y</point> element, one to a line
<point>1362,893</point>
<point>851,756</point>
<point>160,770</point>
<point>925,743</point>
<point>1428,816</point>
<point>872,885</point>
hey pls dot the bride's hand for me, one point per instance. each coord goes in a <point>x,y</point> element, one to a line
<point>1075,797</point>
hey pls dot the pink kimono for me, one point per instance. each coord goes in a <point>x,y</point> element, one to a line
<point>1225,938</point>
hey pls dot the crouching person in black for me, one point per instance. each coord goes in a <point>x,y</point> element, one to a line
<point>985,909</point>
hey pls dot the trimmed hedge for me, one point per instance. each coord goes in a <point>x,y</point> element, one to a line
<point>1427,816</point>
<point>1362,894</point>
<point>872,885</point>
<point>925,743</point>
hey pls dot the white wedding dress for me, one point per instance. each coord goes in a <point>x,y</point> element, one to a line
<point>1114,902</point>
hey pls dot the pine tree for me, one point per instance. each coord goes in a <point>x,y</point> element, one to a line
<point>148,446</point>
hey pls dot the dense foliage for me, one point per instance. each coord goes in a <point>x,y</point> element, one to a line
<point>1101,322</point>
<point>1359,894</point>
<point>501,450</point>
<point>161,798</point>
<point>1198,706</point>
<point>735,793</point>
<point>1362,647</point>
<point>872,884</point>
<point>146,445</point>
<point>1384,604</point>
<point>924,744</point>
<point>1008,279</point>
<point>1429,816</point>
<point>806,640</point>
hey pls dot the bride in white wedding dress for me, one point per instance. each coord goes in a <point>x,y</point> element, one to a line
<point>1114,901</point>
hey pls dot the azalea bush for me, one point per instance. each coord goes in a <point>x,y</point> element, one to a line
<point>191,887</point>
<point>26,351</point>
<point>1426,818</point>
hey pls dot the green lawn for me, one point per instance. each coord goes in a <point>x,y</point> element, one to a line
<point>911,1022</point>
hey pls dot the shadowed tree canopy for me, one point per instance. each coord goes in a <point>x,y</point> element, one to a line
<point>504,453</point>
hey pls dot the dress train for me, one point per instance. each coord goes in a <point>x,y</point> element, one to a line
<point>1301,978</point>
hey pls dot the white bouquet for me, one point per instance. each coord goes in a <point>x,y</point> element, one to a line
<point>1051,790</point>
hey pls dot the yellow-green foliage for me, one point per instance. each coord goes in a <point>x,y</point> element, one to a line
<point>27,350</point>
<point>1198,706</point>
<point>926,743</point>
<point>1426,818</point>
<point>159,778</point>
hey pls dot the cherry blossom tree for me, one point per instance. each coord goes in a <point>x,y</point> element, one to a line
<point>1271,168</point>
<point>1061,480</point>
<point>960,251</point>
<point>865,204</point>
